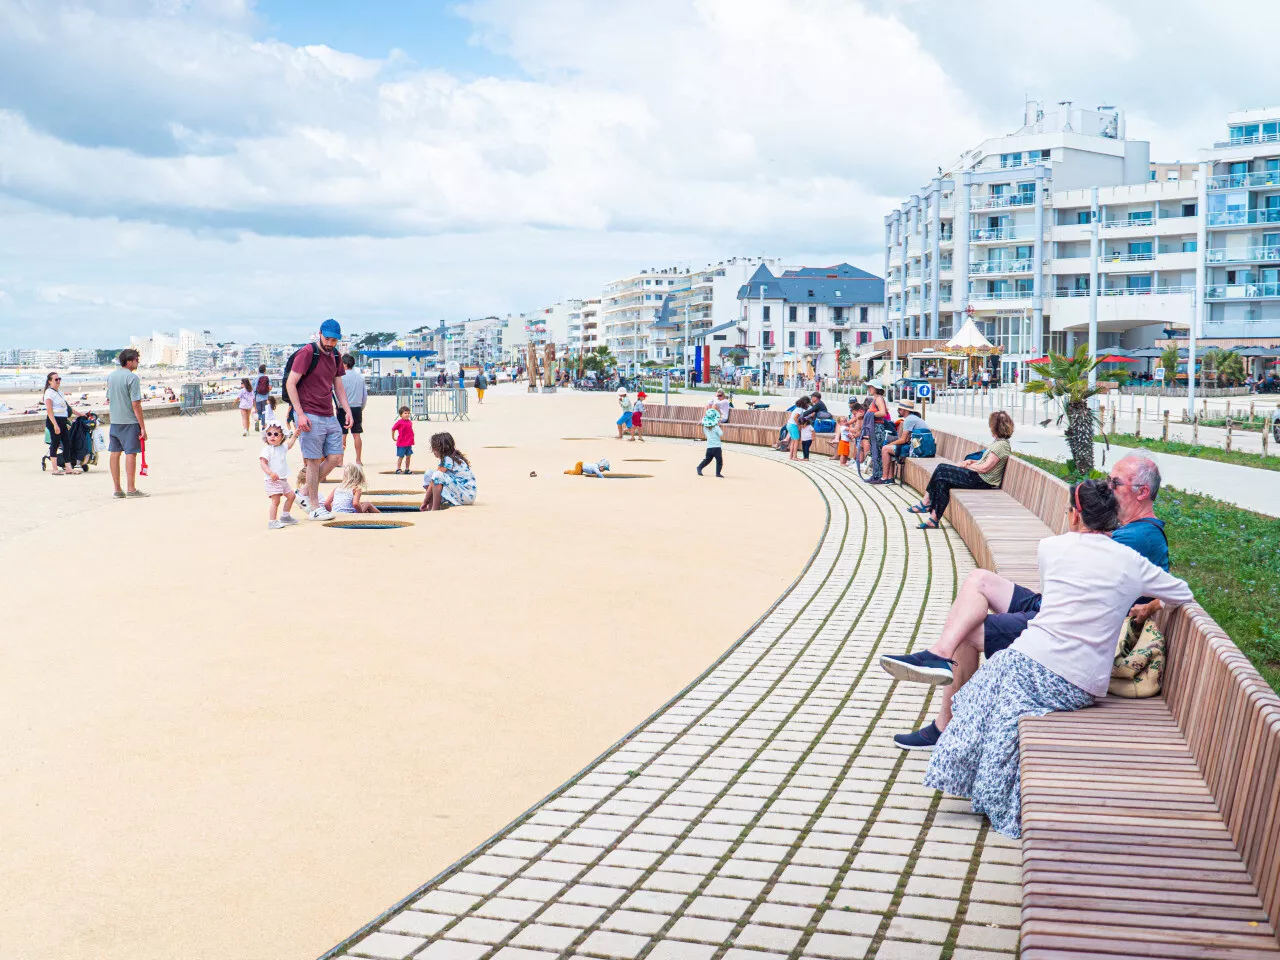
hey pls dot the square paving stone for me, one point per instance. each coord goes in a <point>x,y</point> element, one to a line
<point>592,895</point>
<point>632,921</point>
<point>442,901</point>
<point>734,888</point>
<point>863,901</point>
<point>717,908</point>
<point>798,893</point>
<point>996,892</point>
<point>933,907</point>
<point>988,938</point>
<point>503,909</point>
<point>415,923</point>
<point>1002,915</point>
<point>546,936</point>
<point>781,939</point>
<point>967,953</point>
<point>705,931</point>
<point>387,946</point>
<point>844,921</point>
<point>782,914</point>
<point>870,880</point>
<point>677,950</point>
<point>837,945</point>
<point>474,883</point>
<point>673,882</point>
<point>523,953</point>
<point>954,869</point>
<point>570,914</point>
<point>944,887</point>
<point>913,928</point>
<point>480,930</point>
<point>523,888</point>
<point>654,901</point>
<point>607,943</point>
<point>999,873</point>
<point>453,950</point>
<point>550,870</point>
<point>900,950</point>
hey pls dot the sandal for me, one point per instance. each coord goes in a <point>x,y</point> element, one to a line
<point>929,524</point>
<point>918,508</point>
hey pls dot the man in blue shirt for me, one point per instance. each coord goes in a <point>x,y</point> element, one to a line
<point>1002,609</point>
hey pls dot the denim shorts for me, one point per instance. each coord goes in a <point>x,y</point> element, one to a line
<point>999,630</point>
<point>124,438</point>
<point>324,439</point>
<point>404,451</point>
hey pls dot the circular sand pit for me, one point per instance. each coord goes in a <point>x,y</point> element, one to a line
<point>390,493</point>
<point>584,438</point>
<point>627,476</point>
<point>403,473</point>
<point>642,460</point>
<point>367,522</point>
<point>399,508</point>
<point>498,447</point>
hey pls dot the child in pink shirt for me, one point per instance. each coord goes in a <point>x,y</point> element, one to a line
<point>402,431</point>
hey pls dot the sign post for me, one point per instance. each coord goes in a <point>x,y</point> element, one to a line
<point>923,392</point>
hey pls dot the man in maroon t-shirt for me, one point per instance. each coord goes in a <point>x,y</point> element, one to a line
<point>312,397</point>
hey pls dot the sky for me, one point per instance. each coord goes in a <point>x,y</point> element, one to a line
<point>255,166</point>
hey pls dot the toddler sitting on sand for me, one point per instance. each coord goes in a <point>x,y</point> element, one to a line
<point>597,469</point>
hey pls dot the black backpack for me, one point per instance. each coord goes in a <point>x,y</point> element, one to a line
<point>288,366</point>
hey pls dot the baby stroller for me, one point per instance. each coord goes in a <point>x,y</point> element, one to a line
<point>80,452</point>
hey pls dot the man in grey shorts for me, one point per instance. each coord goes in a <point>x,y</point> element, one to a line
<point>128,427</point>
<point>315,378</point>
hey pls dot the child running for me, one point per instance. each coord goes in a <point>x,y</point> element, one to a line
<point>624,421</point>
<point>451,483</point>
<point>715,434</point>
<point>345,497</point>
<point>402,432</point>
<point>274,460</point>
<point>637,417</point>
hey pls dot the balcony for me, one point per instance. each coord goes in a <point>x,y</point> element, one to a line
<point>1242,291</point>
<point>1128,291</point>
<point>1006,200</point>
<point>1243,255</point>
<point>997,234</point>
<point>1238,181</point>
<point>1246,141</point>
<point>1237,218</point>
<point>981,267</point>
<point>1001,295</point>
<point>1126,257</point>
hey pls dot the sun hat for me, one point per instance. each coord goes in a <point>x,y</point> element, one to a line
<point>331,328</point>
<point>622,391</point>
<point>907,405</point>
<point>642,394</point>
<point>711,418</point>
<point>877,383</point>
<point>602,464</point>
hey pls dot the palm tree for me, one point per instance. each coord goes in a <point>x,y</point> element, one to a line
<point>1169,360</point>
<point>1066,379</point>
<point>599,360</point>
<point>1230,367</point>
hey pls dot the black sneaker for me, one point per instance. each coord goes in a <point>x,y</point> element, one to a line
<point>920,667</point>
<point>926,738</point>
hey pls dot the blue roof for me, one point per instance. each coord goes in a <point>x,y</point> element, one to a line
<point>703,334</point>
<point>849,285</point>
<point>667,315</point>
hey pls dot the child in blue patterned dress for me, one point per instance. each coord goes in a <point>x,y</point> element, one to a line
<point>451,483</point>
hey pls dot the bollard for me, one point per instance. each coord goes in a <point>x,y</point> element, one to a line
<point>1137,429</point>
<point>1165,435</point>
<point>1113,421</point>
<point>1228,434</point>
<point>1195,429</point>
<point>1265,437</point>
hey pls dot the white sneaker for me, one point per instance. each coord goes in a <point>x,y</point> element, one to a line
<point>288,518</point>
<point>320,513</point>
<point>303,502</point>
<point>274,525</point>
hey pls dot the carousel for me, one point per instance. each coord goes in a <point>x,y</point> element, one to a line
<point>963,356</point>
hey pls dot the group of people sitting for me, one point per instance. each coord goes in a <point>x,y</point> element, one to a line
<point>1045,651</point>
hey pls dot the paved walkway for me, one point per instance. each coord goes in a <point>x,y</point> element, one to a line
<point>764,812</point>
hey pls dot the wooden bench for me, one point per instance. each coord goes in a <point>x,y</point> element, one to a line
<point>1151,828</point>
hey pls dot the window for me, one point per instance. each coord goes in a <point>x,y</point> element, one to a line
<point>1188,209</point>
<point>1272,164</point>
<point>1082,216</point>
<point>1153,174</point>
<point>812,338</point>
<point>864,337</point>
<point>837,313</point>
<point>1238,167</point>
<point>719,336</point>
<point>1036,156</point>
<point>999,189</point>
<point>1189,246</point>
<point>1027,193</point>
<point>1140,248</point>
<point>1137,283</point>
<point>766,339</point>
<point>791,311</point>
<point>1171,175</point>
<point>765,314</point>
<point>1010,160</point>
<point>1139,216</point>
<point>862,314</point>
<point>791,339</point>
<point>813,311</point>
<point>838,337</point>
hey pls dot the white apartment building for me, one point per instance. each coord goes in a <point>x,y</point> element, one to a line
<point>584,328</point>
<point>799,320</point>
<point>629,308</point>
<point>709,300</point>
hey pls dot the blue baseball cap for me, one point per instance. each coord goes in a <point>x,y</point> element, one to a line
<point>331,328</point>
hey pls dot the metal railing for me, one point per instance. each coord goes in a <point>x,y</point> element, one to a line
<point>1002,233</point>
<point>1007,200</point>
<point>979,267</point>
<point>1001,295</point>
<point>1241,291</point>
<point>1245,141</point>
<point>1244,254</point>
<point>1128,291</point>
<point>1126,257</point>
<point>1232,218</point>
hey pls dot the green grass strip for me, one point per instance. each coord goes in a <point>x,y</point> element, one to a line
<point>1239,458</point>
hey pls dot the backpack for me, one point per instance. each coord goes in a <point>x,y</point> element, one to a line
<point>922,443</point>
<point>288,366</point>
<point>264,386</point>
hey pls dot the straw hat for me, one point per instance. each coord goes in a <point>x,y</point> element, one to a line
<point>907,405</point>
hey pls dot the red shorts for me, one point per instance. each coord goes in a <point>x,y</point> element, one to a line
<point>635,419</point>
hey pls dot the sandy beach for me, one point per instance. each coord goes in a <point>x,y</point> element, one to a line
<point>227,741</point>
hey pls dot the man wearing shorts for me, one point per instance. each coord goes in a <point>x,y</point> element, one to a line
<point>311,394</point>
<point>128,426</point>
<point>1001,609</point>
<point>357,397</point>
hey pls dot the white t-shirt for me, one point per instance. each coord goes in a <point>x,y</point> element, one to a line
<point>723,407</point>
<point>277,458</point>
<point>60,408</point>
<point>1089,583</point>
<point>271,419</point>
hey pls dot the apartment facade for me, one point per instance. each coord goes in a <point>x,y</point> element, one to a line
<point>629,308</point>
<point>800,318</point>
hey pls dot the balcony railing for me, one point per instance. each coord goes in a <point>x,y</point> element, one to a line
<point>1235,181</point>
<point>1126,257</point>
<point>979,267</point>
<point>1006,200</point>
<point>1245,141</point>
<point>1232,218</point>
<point>1163,288</point>
<point>1001,295</point>
<point>1241,291</point>
<point>1244,254</point>
<point>988,234</point>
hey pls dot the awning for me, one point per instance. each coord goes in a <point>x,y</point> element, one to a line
<point>1114,358</point>
<point>971,340</point>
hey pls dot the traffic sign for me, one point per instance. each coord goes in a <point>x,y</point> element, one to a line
<point>923,391</point>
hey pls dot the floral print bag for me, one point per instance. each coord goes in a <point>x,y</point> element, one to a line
<point>1139,661</point>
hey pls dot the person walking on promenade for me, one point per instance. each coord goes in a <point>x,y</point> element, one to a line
<point>128,430</point>
<point>245,401</point>
<point>991,612</point>
<point>315,377</point>
<point>637,417</point>
<point>261,391</point>
<point>1061,662</point>
<point>715,437</point>
<point>481,384</point>
<point>624,421</point>
<point>357,397</point>
<point>58,411</point>
<point>274,462</point>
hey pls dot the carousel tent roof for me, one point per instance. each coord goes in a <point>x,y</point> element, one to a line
<point>969,338</point>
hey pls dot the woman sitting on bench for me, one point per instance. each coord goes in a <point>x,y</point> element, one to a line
<point>986,473</point>
<point>1060,662</point>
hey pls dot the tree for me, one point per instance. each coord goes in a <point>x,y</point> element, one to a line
<point>1169,360</point>
<point>844,357</point>
<point>1066,379</point>
<point>599,360</point>
<point>371,341</point>
<point>1230,367</point>
<point>108,356</point>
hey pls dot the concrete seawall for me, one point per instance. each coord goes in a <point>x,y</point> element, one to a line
<point>34,423</point>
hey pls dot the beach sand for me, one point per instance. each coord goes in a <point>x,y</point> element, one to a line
<point>224,741</point>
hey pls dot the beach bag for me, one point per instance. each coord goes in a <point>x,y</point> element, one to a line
<point>824,425</point>
<point>99,439</point>
<point>1139,661</point>
<point>922,443</point>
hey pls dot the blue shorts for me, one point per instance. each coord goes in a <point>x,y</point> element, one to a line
<point>404,451</point>
<point>999,630</point>
<point>324,439</point>
<point>124,438</point>
<point>625,419</point>
<point>793,431</point>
